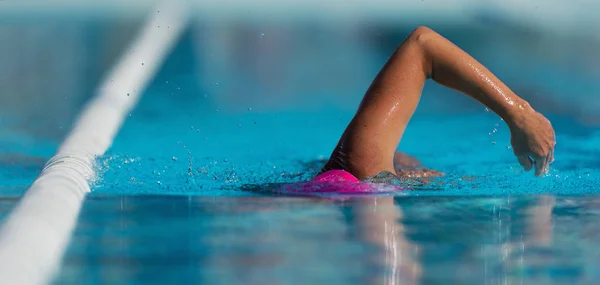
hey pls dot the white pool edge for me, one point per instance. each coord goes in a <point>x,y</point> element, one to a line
<point>35,235</point>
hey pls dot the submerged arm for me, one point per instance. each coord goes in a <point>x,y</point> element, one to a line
<point>370,140</point>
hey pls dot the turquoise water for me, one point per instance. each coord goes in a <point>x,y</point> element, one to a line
<point>418,240</point>
<point>186,193</point>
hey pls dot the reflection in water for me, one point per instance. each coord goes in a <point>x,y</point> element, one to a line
<point>539,223</point>
<point>284,240</point>
<point>378,221</point>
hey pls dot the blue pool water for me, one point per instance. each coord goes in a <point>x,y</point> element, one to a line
<point>185,195</point>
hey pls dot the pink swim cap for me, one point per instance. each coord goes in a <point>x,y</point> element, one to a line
<point>335,176</point>
<point>334,183</point>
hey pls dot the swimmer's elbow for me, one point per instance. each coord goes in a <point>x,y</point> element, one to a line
<point>421,35</point>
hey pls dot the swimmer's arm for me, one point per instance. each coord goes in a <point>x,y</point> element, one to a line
<point>370,140</point>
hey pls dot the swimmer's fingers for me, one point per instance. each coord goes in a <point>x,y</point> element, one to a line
<point>541,165</point>
<point>547,161</point>
<point>525,161</point>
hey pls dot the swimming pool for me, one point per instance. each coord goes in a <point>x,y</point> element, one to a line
<point>185,192</point>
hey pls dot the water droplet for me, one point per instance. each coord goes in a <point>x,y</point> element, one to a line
<point>217,110</point>
<point>262,35</point>
<point>493,142</point>
<point>158,182</point>
<point>239,125</point>
<point>158,11</point>
<point>132,179</point>
<point>167,81</point>
<point>205,138</point>
<point>255,122</point>
<point>128,94</point>
<point>197,130</point>
<point>174,158</point>
<point>142,63</point>
<point>192,127</point>
<point>487,110</point>
<point>508,147</point>
<point>159,26</point>
<point>249,109</point>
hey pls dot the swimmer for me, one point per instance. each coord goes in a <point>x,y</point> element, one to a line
<point>367,147</point>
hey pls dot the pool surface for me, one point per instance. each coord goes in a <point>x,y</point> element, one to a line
<point>524,239</point>
<point>188,192</point>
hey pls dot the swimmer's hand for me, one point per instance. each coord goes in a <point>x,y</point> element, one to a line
<point>533,140</point>
<point>405,161</point>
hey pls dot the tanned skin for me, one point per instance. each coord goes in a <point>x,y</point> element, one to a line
<point>368,145</point>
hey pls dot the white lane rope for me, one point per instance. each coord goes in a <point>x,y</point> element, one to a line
<point>35,235</point>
